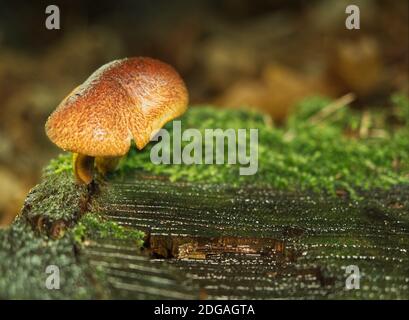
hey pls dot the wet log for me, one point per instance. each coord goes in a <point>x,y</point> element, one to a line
<point>253,242</point>
<point>211,241</point>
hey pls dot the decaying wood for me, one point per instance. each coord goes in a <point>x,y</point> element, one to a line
<point>259,243</point>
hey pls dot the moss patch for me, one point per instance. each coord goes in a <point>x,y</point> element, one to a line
<point>24,257</point>
<point>62,163</point>
<point>57,197</point>
<point>95,226</point>
<point>324,157</point>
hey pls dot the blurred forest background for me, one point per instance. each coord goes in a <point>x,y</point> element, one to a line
<point>232,53</point>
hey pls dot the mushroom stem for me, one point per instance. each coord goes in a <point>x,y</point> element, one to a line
<point>83,168</point>
<point>106,164</point>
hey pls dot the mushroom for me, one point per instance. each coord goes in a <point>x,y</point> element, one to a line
<point>123,100</point>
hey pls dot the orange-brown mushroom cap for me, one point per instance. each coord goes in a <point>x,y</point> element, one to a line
<point>123,100</point>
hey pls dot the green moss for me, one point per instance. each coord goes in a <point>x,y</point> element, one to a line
<point>95,226</point>
<point>24,257</point>
<point>301,155</point>
<point>62,163</point>
<point>57,197</point>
